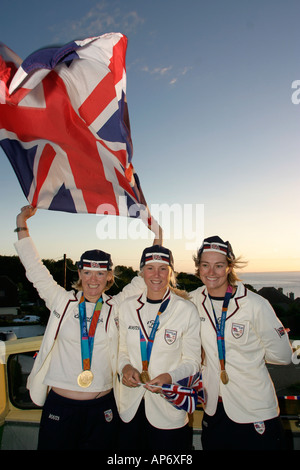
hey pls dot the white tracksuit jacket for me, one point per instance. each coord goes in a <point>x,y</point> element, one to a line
<point>253,336</point>
<point>64,304</point>
<point>176,350</point>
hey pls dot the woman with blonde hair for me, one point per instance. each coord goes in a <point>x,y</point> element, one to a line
<point>74,375</point>
<point>159,344</point>
<point>240,333</point>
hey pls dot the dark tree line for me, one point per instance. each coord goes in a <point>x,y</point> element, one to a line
<point>64,272</point>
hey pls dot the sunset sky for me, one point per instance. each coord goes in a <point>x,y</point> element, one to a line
<point>215,122</point>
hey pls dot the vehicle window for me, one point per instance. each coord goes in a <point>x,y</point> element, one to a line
<point>18,368</point>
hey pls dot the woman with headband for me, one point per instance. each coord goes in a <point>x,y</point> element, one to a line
<point>240,333</point>
<point>159,344</point>
<point>78,356</point>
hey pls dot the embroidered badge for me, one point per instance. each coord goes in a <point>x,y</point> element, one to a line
<point>259,427</point>
<point>215,246</point>
<point>95,264</point>
<point>280,331</point>
<point>170,336</point>
<point>108,415</point>
<point>237,330</point>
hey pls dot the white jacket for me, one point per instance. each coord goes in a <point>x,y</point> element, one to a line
<point>176,350</point>
<point>63,304</point>
<point>253,336</point>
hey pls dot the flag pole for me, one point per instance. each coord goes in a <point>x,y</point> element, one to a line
<point>65,271</point>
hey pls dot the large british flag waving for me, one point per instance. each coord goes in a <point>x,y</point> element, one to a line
<point>64,126</point>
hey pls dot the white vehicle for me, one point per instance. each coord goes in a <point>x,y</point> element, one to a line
<point>27,319</point>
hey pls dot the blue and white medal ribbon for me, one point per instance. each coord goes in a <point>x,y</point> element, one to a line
<point>220,329</point>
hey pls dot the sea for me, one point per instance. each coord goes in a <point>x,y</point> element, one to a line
<point>289,281</point>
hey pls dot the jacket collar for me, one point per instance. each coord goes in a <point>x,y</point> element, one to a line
<point>234,304</point>
<point>141,300</point>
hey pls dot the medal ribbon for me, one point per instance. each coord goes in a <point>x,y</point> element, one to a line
<point>87,337</point>
<point>146,348</point>
<point>220,327</point>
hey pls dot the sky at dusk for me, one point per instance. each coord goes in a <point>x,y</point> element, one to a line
<point>215,123</point>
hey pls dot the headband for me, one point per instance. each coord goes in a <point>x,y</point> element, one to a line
<point>217,245</point>
<point>95,260</point>
<point>157,254</point>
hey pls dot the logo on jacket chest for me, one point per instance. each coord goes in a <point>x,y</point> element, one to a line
<point>237,330</point>
<point>170,336</point>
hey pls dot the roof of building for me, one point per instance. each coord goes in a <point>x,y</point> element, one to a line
<point>274,296</point>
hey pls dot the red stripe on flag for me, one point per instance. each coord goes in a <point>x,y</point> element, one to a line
<point>121,155</point>
<point>45,162</point>
<point>98,100</point>
<point>117,62</point>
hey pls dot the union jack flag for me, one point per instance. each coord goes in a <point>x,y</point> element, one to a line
<point>186,393</point>
<point>64,127</point>
<point>290,397</point>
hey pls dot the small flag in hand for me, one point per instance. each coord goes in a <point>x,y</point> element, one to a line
<point>186,393</point>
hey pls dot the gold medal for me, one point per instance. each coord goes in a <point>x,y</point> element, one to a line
<point>85,378</point>
<point>145,377</point>
<point>224,377</point>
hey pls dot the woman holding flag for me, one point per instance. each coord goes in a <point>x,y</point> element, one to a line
<point>240,332</point>
<point>159,344</point>
<point>77,360</point>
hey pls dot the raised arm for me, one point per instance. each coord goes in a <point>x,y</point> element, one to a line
<point>22,228</point>
<point>159,239</point>
<point>36,272</point>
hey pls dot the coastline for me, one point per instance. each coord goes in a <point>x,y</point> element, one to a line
<point>289,281</point>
